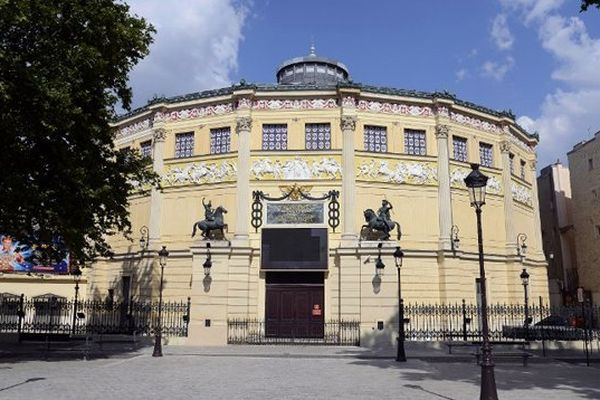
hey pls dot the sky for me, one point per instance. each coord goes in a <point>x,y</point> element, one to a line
<point>538,58</point>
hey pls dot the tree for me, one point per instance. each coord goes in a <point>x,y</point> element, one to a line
<point>587,3</point>
<point>64,67</point>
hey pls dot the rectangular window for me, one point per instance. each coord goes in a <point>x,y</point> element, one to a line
<point>414,142</point>
<point>274,137</point>
<point>317,137</point>
<point>591,164</point>
<point>598,230</point>
<point>486,155</point>
<point>523,163</point>
<point>375,139</point>
<point>220,140</point>
<point>146,149</point>
<point>460,148</point>
<point>511,161</point>
<point>184,144</point>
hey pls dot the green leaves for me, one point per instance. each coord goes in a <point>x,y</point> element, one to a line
<point>63,67</point>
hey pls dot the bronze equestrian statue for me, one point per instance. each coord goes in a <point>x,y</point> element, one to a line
<point>380,222</point>
<point>213,221</point>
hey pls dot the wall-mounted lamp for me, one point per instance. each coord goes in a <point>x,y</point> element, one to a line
<point>521,245</point>
<point>379,265</point>
<point>398,257</point>
<point>144,237</point>
<point>454,240</point>
<point>208,263</point>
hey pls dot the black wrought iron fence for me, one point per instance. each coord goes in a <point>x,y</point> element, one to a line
<point>56,315</point>
<point>252,331</point>
<point>461,321</point>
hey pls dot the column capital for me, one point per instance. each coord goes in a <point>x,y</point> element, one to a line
<point>442,131</point>
<point>505,146</point>
<point>243,124</point>
<point>533,166</point>
<point>348,123</point>
<point>160,134</point>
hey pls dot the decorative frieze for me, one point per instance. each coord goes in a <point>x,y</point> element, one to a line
<point>410,172</point>
<point>442,111</point>
<point>135,128</point>
<point>349,101</point>
<point>298,104</point>
<point>203,172</point>
<point>475,123</point>
<point>395,108</point>
<point>458,175</point>
<point>521,194</point>
<point>296,169</point>
<point>244,104</point>
<point>193,113</point>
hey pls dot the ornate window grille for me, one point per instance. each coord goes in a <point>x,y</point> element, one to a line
<point>376,139</point>
<point>485,155</point>
<point>414,142</point>
<point>184,145</point>
<point>523,163</point>
<point>317,137</point>
<point>274,137</point>
<point>220,140</point>
<point>511,159</point>
<point>460,148</point>
<point>146,149</point>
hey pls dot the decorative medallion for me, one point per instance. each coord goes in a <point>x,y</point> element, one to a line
<point>295,191</point>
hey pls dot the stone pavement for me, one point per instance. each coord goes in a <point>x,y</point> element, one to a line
<point>286,372</point>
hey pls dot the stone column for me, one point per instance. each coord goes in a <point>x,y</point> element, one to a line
<point>158,145</point>
<point>509,228</point>
<point>348,125</point>
<point>444,199</point>
<point>242,212</point>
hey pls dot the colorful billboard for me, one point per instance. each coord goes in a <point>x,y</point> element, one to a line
<point>21,257</point>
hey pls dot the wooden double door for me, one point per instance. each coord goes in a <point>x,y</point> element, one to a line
<point>295,305</point>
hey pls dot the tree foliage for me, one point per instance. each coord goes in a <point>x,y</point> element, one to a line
<point>64,67</point>
<point>585,4</point>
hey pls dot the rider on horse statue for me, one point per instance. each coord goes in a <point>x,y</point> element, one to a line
<point>384,214</point>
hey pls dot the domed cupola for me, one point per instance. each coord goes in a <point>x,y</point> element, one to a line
<point>311,70</point>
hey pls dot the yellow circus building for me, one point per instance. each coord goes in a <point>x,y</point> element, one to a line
<point>292,169</point>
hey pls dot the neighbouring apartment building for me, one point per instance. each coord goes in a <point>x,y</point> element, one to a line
<point>584,166</point>
<point>558,234</point>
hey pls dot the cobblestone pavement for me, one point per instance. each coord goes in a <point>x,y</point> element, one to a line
<point>284,373</point>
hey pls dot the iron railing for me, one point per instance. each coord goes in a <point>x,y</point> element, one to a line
<point>252,331</point>
<point>56,315</point>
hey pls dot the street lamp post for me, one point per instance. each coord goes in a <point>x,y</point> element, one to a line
<point>162,258</point>
<point>401,354</point>
<point>525,280</point>
<point>77,277</point>
<point>476,182</point>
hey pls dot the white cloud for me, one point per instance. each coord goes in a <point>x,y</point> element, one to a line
<point>568,114</point>
<point>461,74</point>
<point>496,69</point>
<point>195,48</point>
<point>500,32</point>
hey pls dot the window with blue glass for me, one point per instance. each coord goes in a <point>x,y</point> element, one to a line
<point>375,138</point>
<point>317,137</point>
<point>274,137</point>
<point>220,140</point>
<point>486,157</point>
<point>459,145</point>
<point>414,142</point>
<point>184,144</point>
<point>146,149</point>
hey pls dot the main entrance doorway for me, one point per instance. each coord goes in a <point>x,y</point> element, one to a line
<point>294,305</point>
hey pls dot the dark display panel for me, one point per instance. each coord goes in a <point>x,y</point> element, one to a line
<point>294,248</point>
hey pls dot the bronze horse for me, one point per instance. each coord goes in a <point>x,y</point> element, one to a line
<point>207,226</point>
<point>375,223</point>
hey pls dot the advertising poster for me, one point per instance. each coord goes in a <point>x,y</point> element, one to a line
<point>18,257</point>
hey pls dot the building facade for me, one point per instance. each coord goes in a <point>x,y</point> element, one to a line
<point>333,149</point>
<point>584,162</point>
<point>558,234</point>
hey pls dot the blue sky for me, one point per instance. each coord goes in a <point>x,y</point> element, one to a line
<point>540,58</point>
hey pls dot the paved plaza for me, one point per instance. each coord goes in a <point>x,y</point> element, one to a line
<point>284,372</point>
